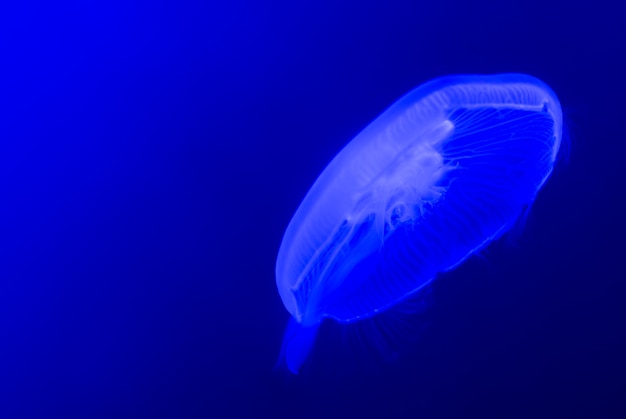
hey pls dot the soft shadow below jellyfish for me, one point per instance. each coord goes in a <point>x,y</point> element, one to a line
<point>443,172</point>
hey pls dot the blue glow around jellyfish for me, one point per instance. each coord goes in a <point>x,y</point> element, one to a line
<point>439,175</point>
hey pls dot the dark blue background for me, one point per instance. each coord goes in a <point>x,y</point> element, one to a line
<point>151,156</point>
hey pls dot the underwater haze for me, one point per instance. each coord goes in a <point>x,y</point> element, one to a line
<point>152,156</point>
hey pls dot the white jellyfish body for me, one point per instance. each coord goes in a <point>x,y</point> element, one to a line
<point>440,174</point>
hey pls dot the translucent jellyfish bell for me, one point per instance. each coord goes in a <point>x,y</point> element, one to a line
<point>444,171</point>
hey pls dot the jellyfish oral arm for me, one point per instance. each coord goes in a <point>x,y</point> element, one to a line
<point>298,341</point>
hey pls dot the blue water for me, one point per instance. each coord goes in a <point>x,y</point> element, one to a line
<point>152,155</point>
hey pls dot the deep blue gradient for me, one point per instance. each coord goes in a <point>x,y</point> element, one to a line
<point>152,155</point>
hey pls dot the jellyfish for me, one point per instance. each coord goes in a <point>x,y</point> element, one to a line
<point>444,171</point>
